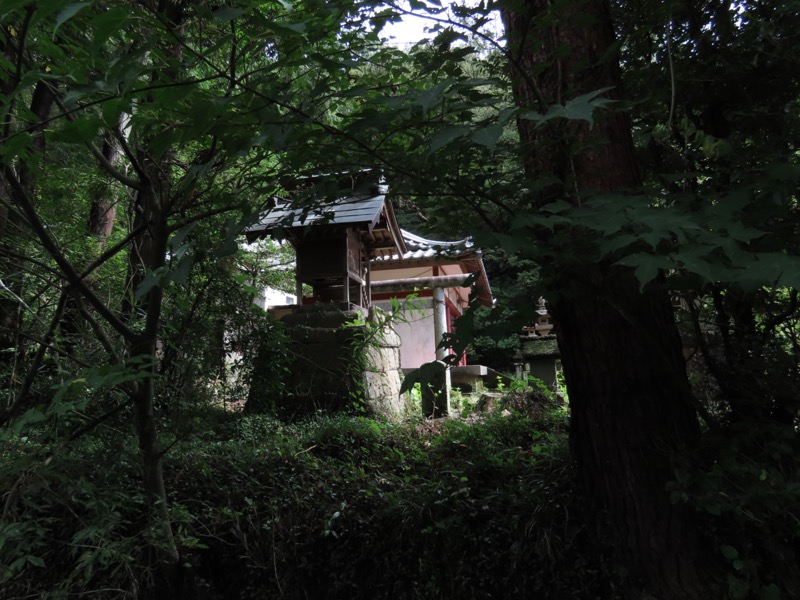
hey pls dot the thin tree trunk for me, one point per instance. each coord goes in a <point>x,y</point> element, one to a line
<point>632,409</point>
<point>147,256</point>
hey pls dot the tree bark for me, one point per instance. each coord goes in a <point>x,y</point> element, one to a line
<point>631,416</point>
<point>103,210</point>
<point>152,206</point>
<point>632,411</point>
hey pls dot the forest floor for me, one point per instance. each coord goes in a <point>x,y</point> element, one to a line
<point>332,506</point>
<point>481,506</point>
<point>349,507</point>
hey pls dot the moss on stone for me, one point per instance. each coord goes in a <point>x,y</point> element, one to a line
<point>540,346</point>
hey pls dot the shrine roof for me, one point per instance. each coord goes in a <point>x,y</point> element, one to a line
<point>350,210</point>
<point>371,213</point>
<point>422,251</point>
<point>421,248</point>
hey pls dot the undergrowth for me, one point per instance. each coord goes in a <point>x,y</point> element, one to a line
<point>331,506</point>
<point>343,506</point>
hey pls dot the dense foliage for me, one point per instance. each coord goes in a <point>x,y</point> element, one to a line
<point>140,140</point>
<point>333,506</point>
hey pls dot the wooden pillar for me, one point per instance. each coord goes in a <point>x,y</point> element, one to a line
<point>369,283</point>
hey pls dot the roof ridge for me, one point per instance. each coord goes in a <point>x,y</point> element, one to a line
<point>414,238</point>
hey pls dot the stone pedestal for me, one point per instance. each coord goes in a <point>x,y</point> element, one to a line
<point>339,363</point>
<point>538,358</point>
<point>382,375</point>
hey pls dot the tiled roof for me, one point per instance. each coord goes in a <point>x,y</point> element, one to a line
<point>421,248</point>
<point>390,246</point>
<point>462,252</point>
<point>351,210</point>
<point>371,214</point>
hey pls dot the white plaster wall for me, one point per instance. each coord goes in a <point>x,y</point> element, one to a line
<point>416,332</point>
<point>383,275</point>
<point>272,297</point>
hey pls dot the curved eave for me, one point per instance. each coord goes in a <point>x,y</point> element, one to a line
<point>473,263</point>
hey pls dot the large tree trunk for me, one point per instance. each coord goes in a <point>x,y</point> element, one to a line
<point>632,409</point>
<point>631,416</point>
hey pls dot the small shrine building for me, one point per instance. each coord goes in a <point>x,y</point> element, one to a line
<point>353,256</point>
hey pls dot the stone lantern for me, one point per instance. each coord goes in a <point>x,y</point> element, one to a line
<point>542,326</point>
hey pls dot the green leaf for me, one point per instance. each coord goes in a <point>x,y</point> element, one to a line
<point>695,260</point>
<point>80,131</point>
<point>108,24</point>
<point>35,561</point>
<point>737,588</point>
<point>229,247</point>
<point>67,13</point>
<point>296,27</point>
<point>161,142</point>
<point>523,222</point>
<point>487,136</point>
<point>790,278</point>
<point>578,109</point>
<point>179,238</point>
<point>151,280</point>
<point>446,135</point>
<point>113,109</point>
<point>583,107</point>
<point>739,232</point>
<point>110,376</point>
<point>171,96</point>
<point>292,29</point>
<point>180,275</point>
<point>72,96</point>
<point>728,552</point>
<point>512,244</point>
<point>15,146</point>
<point>32,415</point>
<point>611,244</point>
<point>430,98</point>
<point>559,206</point>
<point>770,592</point>
<point>227,13</point>
<point>647,266</point>
<point>784,171</point>
<point>8,6</point>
